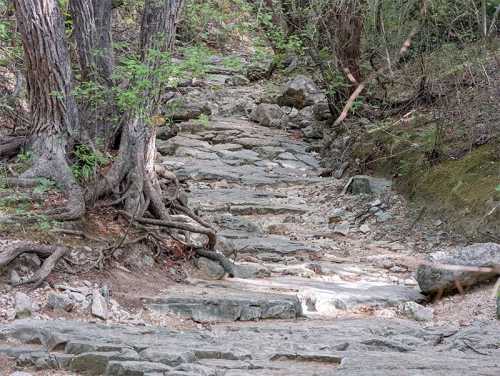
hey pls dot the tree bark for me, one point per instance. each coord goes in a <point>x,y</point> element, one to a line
<point>54,115</point>
<point>134,168</point>
<point>347,24</point>
<point>92,31</point>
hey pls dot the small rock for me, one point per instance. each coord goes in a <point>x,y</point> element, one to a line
<point>398,269</point>
<point>337,215</point>
<point>365,229</point>
<point>148,261</point>
<point>385,313</point>
<point>210,269</point>
<point>342,229</point>
<point>19,373</point>
<point>14,278</point>
<point>300,92</point>
<point>416,311</point>
<point>23,305</point>
<point>362,184</point>
<point>237,80</point>
<point>60,301</point>
<point>99,306</point>
<point>251,270</point>
<point>383,216</point>
<point>268,115</point>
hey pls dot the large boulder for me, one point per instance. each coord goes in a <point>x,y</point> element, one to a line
<point>184,109</point>
<point>431,278</point>
<point>268,115</point>
<point>300,92</point>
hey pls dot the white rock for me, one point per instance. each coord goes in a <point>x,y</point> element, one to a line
<point>23,304</point>
<point>342,229</point>
<point>99,306</point>
<point>416,311</point>
<point>385,313</point>
<point>365,229</point>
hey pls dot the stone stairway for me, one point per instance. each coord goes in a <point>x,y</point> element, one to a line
<point>253,182</point>
<point>315,293</point>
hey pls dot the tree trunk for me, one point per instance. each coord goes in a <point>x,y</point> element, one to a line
<point>92,31</point>
<point>347,21</point>
<point>134,168</point>
<point>54,115</point>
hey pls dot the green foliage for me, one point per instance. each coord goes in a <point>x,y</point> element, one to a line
<point>203,120</point>
<point>44,185</point>
<point>216,22</point>
<point>87,162</point>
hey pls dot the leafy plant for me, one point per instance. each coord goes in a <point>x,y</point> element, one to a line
<point>87,162</point>
<point>43,185</point>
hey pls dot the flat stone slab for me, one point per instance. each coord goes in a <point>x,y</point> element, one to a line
<point>256,244</point>
<point>327,298</point>
<point>348,347</point>
<point>222,303</point>
<point>243,202</point>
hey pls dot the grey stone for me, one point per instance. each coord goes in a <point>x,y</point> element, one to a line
<point>416,311</point>
<point>229,305</point>
<point>60,301</point>
<point>91,363</point>
<point>342,229</point>
<point>432,279</point>
<point>299,92</point>
<point>171,356</point>
<point>367,347</point>
<point>251,270</point>
<point>19,373</point>
<point>364,228</point>
<point>210,269</point>
<point>321,111</point>
<point>362,184</point>
<point>233,222</point>
<point>14,278</point>
<point>134,368</point>
<point>267,115</point>
<point>313,131</point>
<point>257,72</point>
<point>99,305</point>
<point>23,305</point>
<point>184,108</point>
<point>229,147</point>
<point>237,80</point>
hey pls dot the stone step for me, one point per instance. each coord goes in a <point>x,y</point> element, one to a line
<point>361,347</point>
<point>223,303</point>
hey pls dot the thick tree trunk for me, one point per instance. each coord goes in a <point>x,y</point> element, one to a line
<point>92,31</point>
<point>54,115</point>
<point>134,168</point>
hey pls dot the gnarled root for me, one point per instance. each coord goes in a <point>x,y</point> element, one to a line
<point>11,250</point>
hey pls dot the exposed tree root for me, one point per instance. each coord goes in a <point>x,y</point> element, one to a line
<point>10,146</point>
<point>12,250</point>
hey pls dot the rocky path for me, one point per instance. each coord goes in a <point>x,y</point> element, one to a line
<point>320,287</point>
